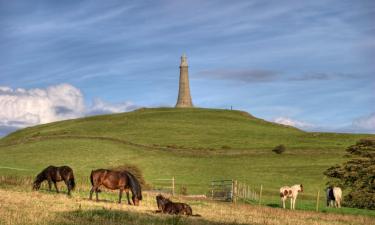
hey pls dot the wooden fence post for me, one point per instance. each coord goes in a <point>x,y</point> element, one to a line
<point>260,194</point>
<point>317,201</point>
<point>235,189</point>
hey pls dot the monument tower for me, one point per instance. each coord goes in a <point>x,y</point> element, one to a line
<point>184,98</point>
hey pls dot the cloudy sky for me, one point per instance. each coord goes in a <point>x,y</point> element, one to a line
<point>309,65</point>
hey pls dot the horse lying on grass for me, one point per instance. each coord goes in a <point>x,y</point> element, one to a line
<point>122,180</point>
<point>53,175</point>
<point>292,193</point>
<point>334,195</point>
<point>167,206</point>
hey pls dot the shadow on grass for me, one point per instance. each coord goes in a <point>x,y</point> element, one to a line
<point>117,217</point>
<point>273,205</point>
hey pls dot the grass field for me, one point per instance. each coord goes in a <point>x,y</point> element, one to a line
<point>193,145</point>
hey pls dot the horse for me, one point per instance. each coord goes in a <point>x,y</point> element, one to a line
<point>290,192</point>
<point>122,180</point>
<point>334,195</point>
<point>167,206</point>
<point>53,175</point>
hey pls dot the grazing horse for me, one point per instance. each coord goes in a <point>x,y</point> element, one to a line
<point>167,206</point>
<point>334,195</point>
<point>290,192</point>
<point>55,174</point>
<point>122,180</point>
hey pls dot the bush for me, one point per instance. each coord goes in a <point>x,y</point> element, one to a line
<point>183,190</point>
<point>136,171</point>
<point>357,175</point>
<point>226,147</point>
<point>279,149</point>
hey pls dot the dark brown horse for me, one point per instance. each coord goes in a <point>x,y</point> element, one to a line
<point>122,180</point>
<point>167,206</point>
<point>53,175</point>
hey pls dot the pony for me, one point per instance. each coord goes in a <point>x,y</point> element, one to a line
<point>167,206</point>
<point>122,180</point>
<point>334,195</point>
<point>53,175</point>
<point>290,192</point>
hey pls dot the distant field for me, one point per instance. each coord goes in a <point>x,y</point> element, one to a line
<point>193,145</point>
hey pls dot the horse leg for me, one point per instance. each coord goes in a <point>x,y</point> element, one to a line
<point>291,203</point>
<point>54,183</point>
<point>283,202</point>
<point>120,195</point>
<point>67,185</point>
<point>294,203</point>
<point>91,192</point>
<point>49,185</point>
<point>127,196</point>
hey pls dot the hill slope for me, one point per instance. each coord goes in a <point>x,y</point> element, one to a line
<point>187,129</point>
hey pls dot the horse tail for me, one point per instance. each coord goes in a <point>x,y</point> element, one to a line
<point>135,187</point>
<point>71,182</point>
<point>91,178</point>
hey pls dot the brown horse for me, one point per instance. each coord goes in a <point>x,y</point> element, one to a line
<point>53,175</point>
<point>122,180</point>
<point>167,206</point>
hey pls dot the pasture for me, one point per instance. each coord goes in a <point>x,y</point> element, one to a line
<point>193,145</point>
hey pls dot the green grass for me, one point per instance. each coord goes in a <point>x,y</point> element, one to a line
<point>193,145</point>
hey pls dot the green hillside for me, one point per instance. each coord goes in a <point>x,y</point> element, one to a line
<point>197,129</point>
<point>193,145</point>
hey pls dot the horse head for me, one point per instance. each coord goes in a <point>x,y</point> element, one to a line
<point>36,185</point>
<point>301,187</point>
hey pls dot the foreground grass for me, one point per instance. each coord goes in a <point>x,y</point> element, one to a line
<point>46,208</point>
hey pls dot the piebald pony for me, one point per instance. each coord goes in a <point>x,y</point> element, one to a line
<point>290,192</point>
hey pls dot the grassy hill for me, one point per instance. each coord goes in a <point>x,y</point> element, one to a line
<point>193,145</point>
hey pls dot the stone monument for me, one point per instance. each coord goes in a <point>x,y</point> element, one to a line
<point>184,98</point>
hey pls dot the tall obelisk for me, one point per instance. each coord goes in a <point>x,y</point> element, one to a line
<point>184,98</point>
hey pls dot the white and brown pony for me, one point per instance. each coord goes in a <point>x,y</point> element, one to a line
<point>334,195</point>
<point>290,192</point>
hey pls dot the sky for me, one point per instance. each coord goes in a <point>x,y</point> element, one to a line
<point>308,64</point>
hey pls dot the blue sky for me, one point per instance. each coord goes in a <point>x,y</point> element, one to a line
<point>307,64</point>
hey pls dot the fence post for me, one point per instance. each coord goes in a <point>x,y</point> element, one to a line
<point>317,202</point>
<point>260,194</point>
<point>235,187</point>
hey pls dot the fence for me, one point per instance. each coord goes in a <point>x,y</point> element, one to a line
<point>222,190</point>
<point>232,190</point>
<point>165,185</point>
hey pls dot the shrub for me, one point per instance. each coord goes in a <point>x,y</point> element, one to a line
<point>135,170</point>
<point>225,147</point>
<point>279,149</point>
<point>183,190</point>
<point>357,175</point>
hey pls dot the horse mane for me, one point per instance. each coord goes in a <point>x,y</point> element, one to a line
<point>40,177</point>
<point>134,185</point>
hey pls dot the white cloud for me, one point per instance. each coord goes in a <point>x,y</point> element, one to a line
<point>21,107</point>
<point>27,107</point>
<point>365,122</point>
<point>101,107</point>
<point>293,123</point>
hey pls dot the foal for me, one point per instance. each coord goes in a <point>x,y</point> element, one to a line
<point>290,192</point>
<point>167,206</point>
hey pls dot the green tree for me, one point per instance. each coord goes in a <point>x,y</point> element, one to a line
<point>357,175</point>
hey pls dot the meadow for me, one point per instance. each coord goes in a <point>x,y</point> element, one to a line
<point>193,145</point>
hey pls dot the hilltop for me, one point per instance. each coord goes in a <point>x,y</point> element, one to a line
<point>192,129</point>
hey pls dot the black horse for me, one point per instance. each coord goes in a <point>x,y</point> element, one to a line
<point>53,175</point>
<point>122,180</point>
<point>167,206</point>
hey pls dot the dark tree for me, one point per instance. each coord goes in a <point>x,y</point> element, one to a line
<point>357,175</point>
